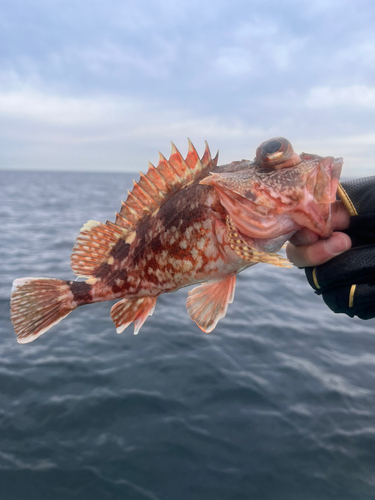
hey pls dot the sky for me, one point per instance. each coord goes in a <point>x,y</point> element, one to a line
<point>105,85</point>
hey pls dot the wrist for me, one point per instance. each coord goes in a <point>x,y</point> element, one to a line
<point>358,197</point>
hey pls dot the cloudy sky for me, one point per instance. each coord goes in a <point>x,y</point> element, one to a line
<point>104,85</point>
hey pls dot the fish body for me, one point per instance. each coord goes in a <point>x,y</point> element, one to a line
<point>186,222</point>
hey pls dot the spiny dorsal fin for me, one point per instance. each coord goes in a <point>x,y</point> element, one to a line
<point>160,183</point>
<point>96,241</point>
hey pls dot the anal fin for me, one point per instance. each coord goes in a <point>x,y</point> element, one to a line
<point>208,303</point>
<point>132,310</point>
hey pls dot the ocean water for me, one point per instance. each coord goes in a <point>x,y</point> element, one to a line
<point>277,403</point>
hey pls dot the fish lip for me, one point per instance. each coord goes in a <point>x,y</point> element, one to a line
<point>333,167</point>
<point>337,167</point>
<point>326,175</point>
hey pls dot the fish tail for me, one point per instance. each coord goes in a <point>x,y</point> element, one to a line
<point>37,304</point>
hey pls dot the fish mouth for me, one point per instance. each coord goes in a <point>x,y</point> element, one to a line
<point>320,193</point>
<point>329,171</point>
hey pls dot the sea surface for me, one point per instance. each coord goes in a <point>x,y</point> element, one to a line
<point>277,403</point>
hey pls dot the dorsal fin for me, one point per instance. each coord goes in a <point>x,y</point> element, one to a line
<point>97,243</point>
<point>160,183</point>
<point>93,246</point>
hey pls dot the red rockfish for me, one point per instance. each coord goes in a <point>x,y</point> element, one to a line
<point>186,222</point>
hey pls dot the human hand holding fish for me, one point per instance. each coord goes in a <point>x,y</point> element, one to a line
<point>306,248</point>
<point>342,267</point>
<point>187,221</point>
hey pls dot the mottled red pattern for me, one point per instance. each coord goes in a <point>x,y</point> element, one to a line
<point>184,230</point>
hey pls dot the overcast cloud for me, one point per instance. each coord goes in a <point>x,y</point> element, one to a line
<point>94,85</point>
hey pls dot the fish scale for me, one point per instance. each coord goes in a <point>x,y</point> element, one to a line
<point>187,221</point>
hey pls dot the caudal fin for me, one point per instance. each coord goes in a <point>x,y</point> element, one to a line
<point>37,304</point>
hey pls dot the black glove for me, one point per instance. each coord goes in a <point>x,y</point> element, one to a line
<point>347,282</point>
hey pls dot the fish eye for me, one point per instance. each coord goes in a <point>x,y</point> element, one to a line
<point>272,146</point>
<point>274,153</point>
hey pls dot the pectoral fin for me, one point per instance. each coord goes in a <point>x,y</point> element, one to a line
<point>208,303</point>
<point>247,252</point>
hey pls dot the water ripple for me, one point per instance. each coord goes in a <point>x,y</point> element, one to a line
<point>277,402</point>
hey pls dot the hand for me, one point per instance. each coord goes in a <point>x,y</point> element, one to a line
<point>307,249</point>
<point>342,268</point>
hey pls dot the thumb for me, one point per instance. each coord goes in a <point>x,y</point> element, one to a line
<point>319,252</point>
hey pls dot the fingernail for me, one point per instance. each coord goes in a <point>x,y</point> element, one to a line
<point>336,245</point>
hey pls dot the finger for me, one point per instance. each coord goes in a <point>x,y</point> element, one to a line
<point>340,216</point>
<point>340,221</point>
<point>319,252</point>
<point>304,237</point>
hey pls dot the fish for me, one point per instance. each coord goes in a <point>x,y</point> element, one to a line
<point>186,222</point>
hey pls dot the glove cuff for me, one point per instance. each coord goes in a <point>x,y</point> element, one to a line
<point>358,195</point>
<point>345,198</point>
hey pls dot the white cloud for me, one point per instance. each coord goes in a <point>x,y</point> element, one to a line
<point>38,106</point>
<point>121,133</point>
<point>351,96</point>
<point>101,86</point>
<point>108,132</point>
<point>138,118</point>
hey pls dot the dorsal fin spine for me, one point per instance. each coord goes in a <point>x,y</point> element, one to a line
<point>215,160</point>
<point>206,158</point>
<point>147,184</point>
<point>132,211</point>
<point>157,179</point>
<point>129,214</point>
<point>133,200</point>
<point>175,151</point>
<point>169,170</point>
<point>142,193</point>
<point>159,173</point>
<point>192,158</point>
<point>179,163</point>
<point>124,222</point>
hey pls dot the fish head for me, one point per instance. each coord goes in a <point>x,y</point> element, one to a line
<point>279,192</point>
